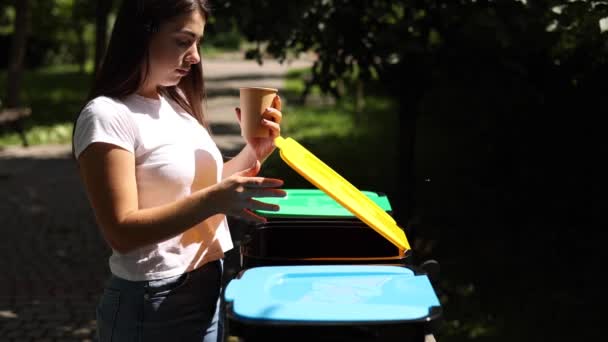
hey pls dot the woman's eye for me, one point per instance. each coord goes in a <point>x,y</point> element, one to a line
<point>184,43</point>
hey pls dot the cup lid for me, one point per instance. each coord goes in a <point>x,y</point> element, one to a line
<point>329,181</point>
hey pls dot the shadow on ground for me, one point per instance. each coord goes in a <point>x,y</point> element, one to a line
<point>52,258</point>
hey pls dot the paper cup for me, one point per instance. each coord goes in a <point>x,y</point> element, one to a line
<point>253,103</point>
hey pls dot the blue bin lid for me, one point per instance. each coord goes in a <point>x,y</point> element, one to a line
<point>344,293</point>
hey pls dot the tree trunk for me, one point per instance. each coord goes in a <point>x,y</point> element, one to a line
<point>101,29</point>
<point>81,55</point>
<point>78,18</point>
<point>17,53</point>
<point>359,100</point>
<point>407,144</point>
<point>408,101</point>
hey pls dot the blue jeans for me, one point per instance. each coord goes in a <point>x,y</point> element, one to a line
<point>180,308</point>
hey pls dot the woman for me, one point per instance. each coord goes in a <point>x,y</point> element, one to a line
<point>156,180</point>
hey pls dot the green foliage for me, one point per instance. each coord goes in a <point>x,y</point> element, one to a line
<point>222,35</point>
<point>63,32</point>
<point>7,16</point>
<point>55,95</point>
<point>69,24</point>
<point>406,40</point>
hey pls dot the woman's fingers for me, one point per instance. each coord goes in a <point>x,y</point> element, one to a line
<point>252,204</point>
<point>250,216</point>
<point>259,205</point>
<point>265,192</point>
<point>261,182</point>
<point>273,114</point>
<point>276,103</point>
<point>275,129</point>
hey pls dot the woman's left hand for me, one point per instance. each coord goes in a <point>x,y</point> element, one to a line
<point>263,147</point>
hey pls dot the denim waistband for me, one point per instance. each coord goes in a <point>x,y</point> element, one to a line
<point>117,282</point>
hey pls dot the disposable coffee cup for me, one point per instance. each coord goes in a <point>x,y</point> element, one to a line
<point>253,104</point>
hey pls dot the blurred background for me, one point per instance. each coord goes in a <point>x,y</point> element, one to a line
<point>479,119</point>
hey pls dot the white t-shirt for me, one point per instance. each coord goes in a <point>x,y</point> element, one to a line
<point>174,156</point>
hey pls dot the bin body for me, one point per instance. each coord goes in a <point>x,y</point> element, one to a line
<point>313,229</point>
<point>317,242</point>
<point>330,303</point>
<point>302,205</point>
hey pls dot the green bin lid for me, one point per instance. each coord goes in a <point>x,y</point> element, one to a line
<point>314,203</point>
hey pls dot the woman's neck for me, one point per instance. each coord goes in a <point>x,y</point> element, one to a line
<point>149,92</point>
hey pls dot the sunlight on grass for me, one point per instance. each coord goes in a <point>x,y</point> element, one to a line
<point>352,144</point>
<point>62,68</point>
<point>41,135</point>
<point>296,78</point>
<point>306,122</point>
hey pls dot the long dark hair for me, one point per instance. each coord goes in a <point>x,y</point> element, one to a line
<point>126,61</point>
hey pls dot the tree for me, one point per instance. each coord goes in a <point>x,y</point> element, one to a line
<point>527,52</point>
<point>17,54</point>
<point>82,13</point>
<point>101,29</point>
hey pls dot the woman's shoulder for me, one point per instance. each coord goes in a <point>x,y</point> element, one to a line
<point>105,106</point>
<point>103,102</point>
<point>102,120</point>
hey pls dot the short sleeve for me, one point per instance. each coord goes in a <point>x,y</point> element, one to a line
<point>103,121</point>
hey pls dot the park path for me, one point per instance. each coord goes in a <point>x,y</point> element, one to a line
<point>53,262</point>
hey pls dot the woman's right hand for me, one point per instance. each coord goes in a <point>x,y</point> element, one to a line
<point>234,195</point>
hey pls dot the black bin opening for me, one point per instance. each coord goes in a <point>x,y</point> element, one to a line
<point>317,239</point>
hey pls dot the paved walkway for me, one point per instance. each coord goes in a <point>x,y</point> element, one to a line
<point>52,260</point>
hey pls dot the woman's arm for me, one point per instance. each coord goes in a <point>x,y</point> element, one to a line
<point>241,161</point>
<point>108,173</point>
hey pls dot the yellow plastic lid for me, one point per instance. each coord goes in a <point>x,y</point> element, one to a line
<point>329,181</point>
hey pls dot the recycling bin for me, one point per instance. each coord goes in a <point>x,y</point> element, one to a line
<point>330,303</point>
<point>323,277</point>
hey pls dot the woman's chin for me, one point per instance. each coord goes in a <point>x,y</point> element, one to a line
<point>171,82</point>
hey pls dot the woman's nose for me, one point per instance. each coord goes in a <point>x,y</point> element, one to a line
<point>193,56</point>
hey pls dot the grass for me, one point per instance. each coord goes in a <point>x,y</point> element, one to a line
<point>55,95</point>
<point>295,81</point>
<point>60,133</point>
<point>361,149</point>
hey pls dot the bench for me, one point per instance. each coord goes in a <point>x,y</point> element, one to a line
<point>13,117</point>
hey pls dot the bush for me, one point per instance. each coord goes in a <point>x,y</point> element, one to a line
<point>36,51</point>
